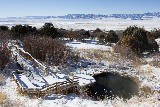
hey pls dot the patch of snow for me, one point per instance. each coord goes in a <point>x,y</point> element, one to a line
<point>55,78</point>
<point>85,79</point>
<point>81,45</point>
<point>24,81</point>
<point>158,41</point>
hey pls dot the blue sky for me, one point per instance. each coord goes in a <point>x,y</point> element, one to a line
<point>61,7</point>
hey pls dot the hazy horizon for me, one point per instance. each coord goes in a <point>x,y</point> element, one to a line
<point>80,13</point>
<point>20,8</point>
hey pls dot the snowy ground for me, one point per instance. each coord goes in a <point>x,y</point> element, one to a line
<point>91,45</point>
<point>72,100</point>
<point>151,78</point>
<point>104,24</point>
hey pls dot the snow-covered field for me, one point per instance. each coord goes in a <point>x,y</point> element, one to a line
<point>104,24</point>
<point>92,45</point>
<point>151,79</point>
<point>72,100</point>
<point>148,75</point>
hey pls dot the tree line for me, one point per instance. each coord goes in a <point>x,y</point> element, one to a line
<point>137,39</point>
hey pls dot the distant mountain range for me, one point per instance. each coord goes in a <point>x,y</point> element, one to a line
<point>144,16</point>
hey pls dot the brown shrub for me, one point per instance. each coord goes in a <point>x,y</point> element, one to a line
<point>51,51</point>
<point>4,35</point>
<point>138,40</point>
<point>4,53</point>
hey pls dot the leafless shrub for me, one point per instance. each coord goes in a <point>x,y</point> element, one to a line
<point>51,51</point>
<point>4,35</point>
<point>4,53</point>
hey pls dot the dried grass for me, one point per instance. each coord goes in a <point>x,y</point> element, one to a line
<point>9,103</point>
<point>2,97</point>
<point>146,90</point>
<point>1,77</point>
<point>136,63</point>
<point>155,60</point>
<point>95,54</point>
